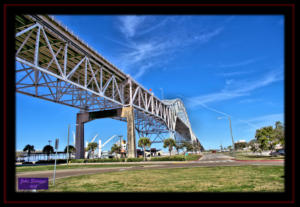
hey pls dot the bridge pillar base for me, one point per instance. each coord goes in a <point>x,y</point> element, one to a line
<point>128,112</point>
<point>80,120</point>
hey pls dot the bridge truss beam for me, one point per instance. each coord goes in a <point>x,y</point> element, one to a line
<point>55,65</point>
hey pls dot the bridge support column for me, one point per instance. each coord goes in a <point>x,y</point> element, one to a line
<point>128,112</point>
<point>80,120</point>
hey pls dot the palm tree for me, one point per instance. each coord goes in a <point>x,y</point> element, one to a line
<point>71,149</point>
<point>48,149</point>
<point>92,146</point>
<point>169,143</point>
<point>115,148</point>
<point>29,149</point>
<point>144,142</point>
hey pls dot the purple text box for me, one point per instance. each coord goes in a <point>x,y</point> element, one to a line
<point>32,183</point>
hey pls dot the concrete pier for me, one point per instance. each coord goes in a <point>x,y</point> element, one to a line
<point>82,118</point>
<point>128,112</point>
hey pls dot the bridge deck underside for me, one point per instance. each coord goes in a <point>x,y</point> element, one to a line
<point>53,64</point>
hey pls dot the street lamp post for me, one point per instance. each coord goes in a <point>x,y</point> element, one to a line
<point>68,157</point>
<point>230,132</point>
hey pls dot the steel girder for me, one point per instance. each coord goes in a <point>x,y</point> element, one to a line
<point>55,65</point>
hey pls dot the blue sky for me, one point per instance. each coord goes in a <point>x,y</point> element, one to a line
<point>217,64</point>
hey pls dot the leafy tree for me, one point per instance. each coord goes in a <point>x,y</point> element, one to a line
<point>29,149</point>
<point>71,149</point>
<point>254,147</point>
<point>229,147</point>
<point>267,137</point>
<point>169,143</point>
<point>197,146</point>
<point>92,146</point>
<point>279,133</point>
<point>178,147</point>
<point>115,149</point>
<point>240,145</point>
<point>144,142</point>
<point>187,146</point>
<point>48,149</point>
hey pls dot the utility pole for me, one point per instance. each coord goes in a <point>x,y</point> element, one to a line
<point>68,146</point>
<point>230,132</point>
<point>56,148</point>
<point>120,144</point>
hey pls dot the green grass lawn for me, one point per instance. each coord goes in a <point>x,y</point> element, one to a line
<point>257,157</point>
<point>196,179</point>
<point>245,156</point>
<point>64,167</point>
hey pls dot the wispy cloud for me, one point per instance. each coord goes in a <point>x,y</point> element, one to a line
<point>142,70</point>
<point>130,23</point>
<point>249,100</point>
<point>228,115</point>
<point>237,88</point>
<point>229,74</point>
<point>238,64</point>
<point>139,53</point>
<point>265,120</point>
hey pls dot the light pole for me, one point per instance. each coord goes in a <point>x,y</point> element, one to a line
<point>68,157</point>
<point>230,131</point>
<point>120,136</point>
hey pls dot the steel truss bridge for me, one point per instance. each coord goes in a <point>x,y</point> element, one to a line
<point>55,65</point>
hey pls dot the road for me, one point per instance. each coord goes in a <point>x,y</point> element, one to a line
<point>208,160</point>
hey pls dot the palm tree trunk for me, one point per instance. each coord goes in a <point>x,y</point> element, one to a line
<point>144,154</point>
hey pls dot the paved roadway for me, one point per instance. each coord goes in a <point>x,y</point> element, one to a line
<point>208,160</point>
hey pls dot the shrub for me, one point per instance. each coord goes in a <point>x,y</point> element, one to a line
<point>106,160</point>
<point>97,160</point>
<point>169,158</point>
<point>27,163</point>
<point>135,159</point>
<point>58,161</point>
<point>191,157</point>
<point>77,161</point>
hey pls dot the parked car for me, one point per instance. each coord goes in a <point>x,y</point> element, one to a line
<point>278,152</point>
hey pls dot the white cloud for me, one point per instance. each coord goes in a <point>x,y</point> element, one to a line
<point>229,74</point>
<point>142,70</point>
<point>265,120</point>
<point>237,89</point>
<point>213,97</point>
<point>130,24</point>
<point>159,47</point>
<point>278,116</point>
<point>241,63</point>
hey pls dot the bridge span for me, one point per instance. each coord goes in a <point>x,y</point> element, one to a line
<point>55,65</point>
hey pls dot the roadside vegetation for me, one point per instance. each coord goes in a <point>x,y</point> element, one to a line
<point>22,168</point>
<point>197,179</point>
<point>65,167</point>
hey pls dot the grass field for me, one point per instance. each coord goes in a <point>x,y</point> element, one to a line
<point>196,179</point>
<point>65,167</point>
<point>246,156</point>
